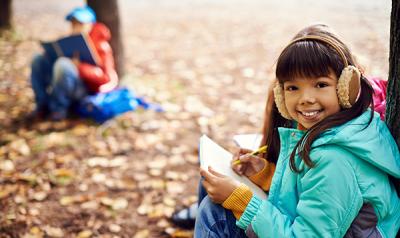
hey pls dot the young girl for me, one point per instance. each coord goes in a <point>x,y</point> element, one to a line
<point>332,172</point>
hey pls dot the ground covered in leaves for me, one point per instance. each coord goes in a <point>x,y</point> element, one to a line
<point>208,64</point>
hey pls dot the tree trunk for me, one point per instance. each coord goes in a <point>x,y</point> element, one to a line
<point>393,90</point>
<point>5,14</point>
<point>107,12</point>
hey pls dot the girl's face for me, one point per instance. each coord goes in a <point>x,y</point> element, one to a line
<point>310,100</point>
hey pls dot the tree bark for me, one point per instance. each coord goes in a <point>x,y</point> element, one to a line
<point>5,14</point>
<point>393,90</point>
<point>107,12</point>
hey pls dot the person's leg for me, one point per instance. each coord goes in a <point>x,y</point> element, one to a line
<point>66,88</point>
<point>201,192</point>
<point>215,221</point>
<point>41,70</point>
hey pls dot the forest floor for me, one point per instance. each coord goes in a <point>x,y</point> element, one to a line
<point>207,63</point>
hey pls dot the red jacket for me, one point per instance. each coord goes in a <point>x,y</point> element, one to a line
<point>101,77</point>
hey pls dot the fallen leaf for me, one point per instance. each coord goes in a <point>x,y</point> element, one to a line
<point>174,187</point>
<point>99,177</point>
<point>53,231</point>
<point>119,204</point>
<point>97,161</point>
<point>62,176</point>
<point>163,223</point>
<point>157,163</point>
<point>6,190</point>
<point>90,205</point>
<point>85,234</point>
<point>7,166</point>
<point>32,179</point>
<point>40,196</point>
<point>21,147</point>
<point>80,130</point>
<point>114,228</point>
<point>142,234</point>
<point>182,234</point>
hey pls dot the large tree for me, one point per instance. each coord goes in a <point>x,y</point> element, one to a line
<point>5,14</point>
<point>108,13</point>
<point>393,91</point>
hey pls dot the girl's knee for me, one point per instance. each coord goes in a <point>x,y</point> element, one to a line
<point>209,209</point>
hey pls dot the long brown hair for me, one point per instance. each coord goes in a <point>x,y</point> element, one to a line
<point>311,59</point>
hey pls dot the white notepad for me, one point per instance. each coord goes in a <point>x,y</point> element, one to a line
<point>248,141</point>
<point>211,154</point>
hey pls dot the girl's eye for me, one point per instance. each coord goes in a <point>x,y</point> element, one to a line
<point>290,88</point>
<point>322,85</point>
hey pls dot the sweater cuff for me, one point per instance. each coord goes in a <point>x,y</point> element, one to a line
<point>264,177</point>
<point>249,213</point>
<point>238,200</point>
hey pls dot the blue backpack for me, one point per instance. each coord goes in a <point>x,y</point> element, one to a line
<point>104,106</point>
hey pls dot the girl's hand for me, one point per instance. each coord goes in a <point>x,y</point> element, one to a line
<point>249,164</point>
<point>218,186</point>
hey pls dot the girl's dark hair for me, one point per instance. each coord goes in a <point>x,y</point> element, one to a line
<point>272,120</point>
<point>311,59</point>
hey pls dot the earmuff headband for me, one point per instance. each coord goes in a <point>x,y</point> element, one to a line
<point>324,40</point>
<point>348,82</point>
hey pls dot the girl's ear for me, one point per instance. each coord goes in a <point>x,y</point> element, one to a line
<point>348,86</point>
<point>280,101</point>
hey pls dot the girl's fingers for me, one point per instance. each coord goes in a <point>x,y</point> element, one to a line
<point>245,158</point>
<point>213,172</point>
<point>206,186</point>
<point>204,174</point>
<point>243,151</point>
<point>207,175</point>
<point>238,169</point>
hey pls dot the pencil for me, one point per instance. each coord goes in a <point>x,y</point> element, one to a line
<point>260,150</point>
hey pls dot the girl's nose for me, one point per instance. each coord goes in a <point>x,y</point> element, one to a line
<point>307,98</point>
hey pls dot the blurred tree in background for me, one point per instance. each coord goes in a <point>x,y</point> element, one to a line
<point>108,13</point>
<point>5,14</point>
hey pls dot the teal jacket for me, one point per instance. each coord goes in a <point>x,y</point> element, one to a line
<point>351,168</point>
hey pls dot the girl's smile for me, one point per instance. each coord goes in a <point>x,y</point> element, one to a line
<point>310,115</point>
<point>310,100</point>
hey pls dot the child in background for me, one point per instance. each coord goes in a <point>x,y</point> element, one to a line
<point>332,172</point>
<point>57,85</point>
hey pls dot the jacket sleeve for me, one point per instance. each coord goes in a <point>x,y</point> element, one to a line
<point>329,200</point>
<point>92,74</point>
<point>96,76</point>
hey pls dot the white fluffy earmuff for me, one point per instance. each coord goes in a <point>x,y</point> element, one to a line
<point>348,86</point>
<point>280,101</point>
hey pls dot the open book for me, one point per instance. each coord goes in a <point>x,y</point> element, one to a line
<point>69,46</point>
<point>211,154</point>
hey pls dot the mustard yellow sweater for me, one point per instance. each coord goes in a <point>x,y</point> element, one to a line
<point>241,196</point>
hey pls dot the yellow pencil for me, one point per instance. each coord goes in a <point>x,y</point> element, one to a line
<point>260,150</point>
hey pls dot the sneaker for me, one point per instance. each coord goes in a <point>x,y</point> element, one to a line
<point>37,115</point>
<point>58,116</point>
<point>186,217</point>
